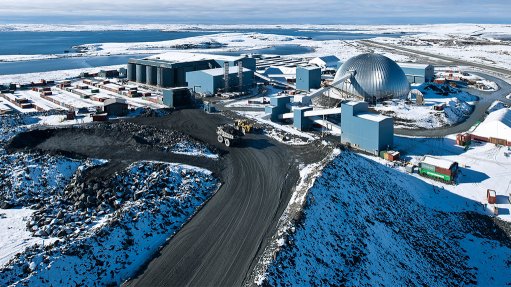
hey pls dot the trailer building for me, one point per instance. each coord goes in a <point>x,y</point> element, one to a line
<point>437,168</point>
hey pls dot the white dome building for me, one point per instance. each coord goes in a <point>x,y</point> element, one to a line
<point>375,78</point>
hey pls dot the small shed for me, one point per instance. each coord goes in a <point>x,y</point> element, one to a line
<point>99,117</point>
<point>115,107</point>
<point>70,115</point>
<point>491,195</point>
<point>463,139</point>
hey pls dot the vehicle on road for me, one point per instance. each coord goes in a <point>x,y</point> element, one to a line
<point>228,134</point>
<point>243,126</point>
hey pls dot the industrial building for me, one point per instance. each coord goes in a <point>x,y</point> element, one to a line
<point>326,62</point>
<point>418,73</point>
<point>212,81</point>
<point>365,131</point>
<point>496,128</point>
<point>169,70</point>
<point>371,77</point>
<point>115,107</point>
<point>308,78</point>
<point>177,97</point>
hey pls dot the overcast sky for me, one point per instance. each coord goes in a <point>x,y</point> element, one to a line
<point>255,11</point>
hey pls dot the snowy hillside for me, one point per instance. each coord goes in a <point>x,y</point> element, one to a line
<point>361,227</point>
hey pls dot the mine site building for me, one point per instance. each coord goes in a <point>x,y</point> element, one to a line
<point>418,73</point>
<point>115,107</point>
<point>325,62</point>
<point>366,131</point>
<point>440,169</point>
<point>177,97</point>
<point>169,70</point>
<point>308,78</point>
<point>108,73</point>
<point>212,81</point>
<point>496,128</point>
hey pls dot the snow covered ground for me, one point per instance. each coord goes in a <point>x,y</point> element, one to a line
<point>153,201</point>
<point>478,43</point>
<point>483,166</point>
<point>53,75</point>
<point>363,226</point>
<point>409,115</point>
<point>14,236</point>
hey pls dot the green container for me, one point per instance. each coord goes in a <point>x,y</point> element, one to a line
<point>435,175</point>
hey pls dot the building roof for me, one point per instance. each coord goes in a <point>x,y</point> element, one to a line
<point>496,125</point>
<point>190,57</point>
<point>372,117</point>
<point>3,107</point>
<point>114,101</point>
<point>413,65</point>
<point>327,60</point>
<point>310,68</point>
<point>438,162</point>
<point>376,76</point>
<point>220,71</point>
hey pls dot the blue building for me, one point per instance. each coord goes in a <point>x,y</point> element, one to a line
<point>278,105</point>
<point>212,81</point>
<point>418,73</point>
<point>169,70</point>
<point>365,131</point>
<point>326,62</point>
<point>308,78</point>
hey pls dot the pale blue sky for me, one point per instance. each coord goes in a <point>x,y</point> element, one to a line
<point>256,11</point>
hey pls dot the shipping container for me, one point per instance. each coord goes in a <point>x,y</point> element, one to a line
<point>435,175</point>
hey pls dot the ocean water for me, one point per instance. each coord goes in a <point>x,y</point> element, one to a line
<point>47,43</point>
<point>39,66</point>
<point>34,43</point>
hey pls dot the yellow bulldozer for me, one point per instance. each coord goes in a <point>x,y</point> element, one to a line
<point>243,126</point>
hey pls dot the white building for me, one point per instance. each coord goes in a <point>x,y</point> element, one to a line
<point>325,62</point>
<point>496,128</point>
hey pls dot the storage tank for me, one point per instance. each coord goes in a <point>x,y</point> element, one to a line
<point>132,72</point>
<point>141,73</point>
<point>151,75</point>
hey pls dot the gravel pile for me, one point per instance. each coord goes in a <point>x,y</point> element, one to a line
<point>108,229</point>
